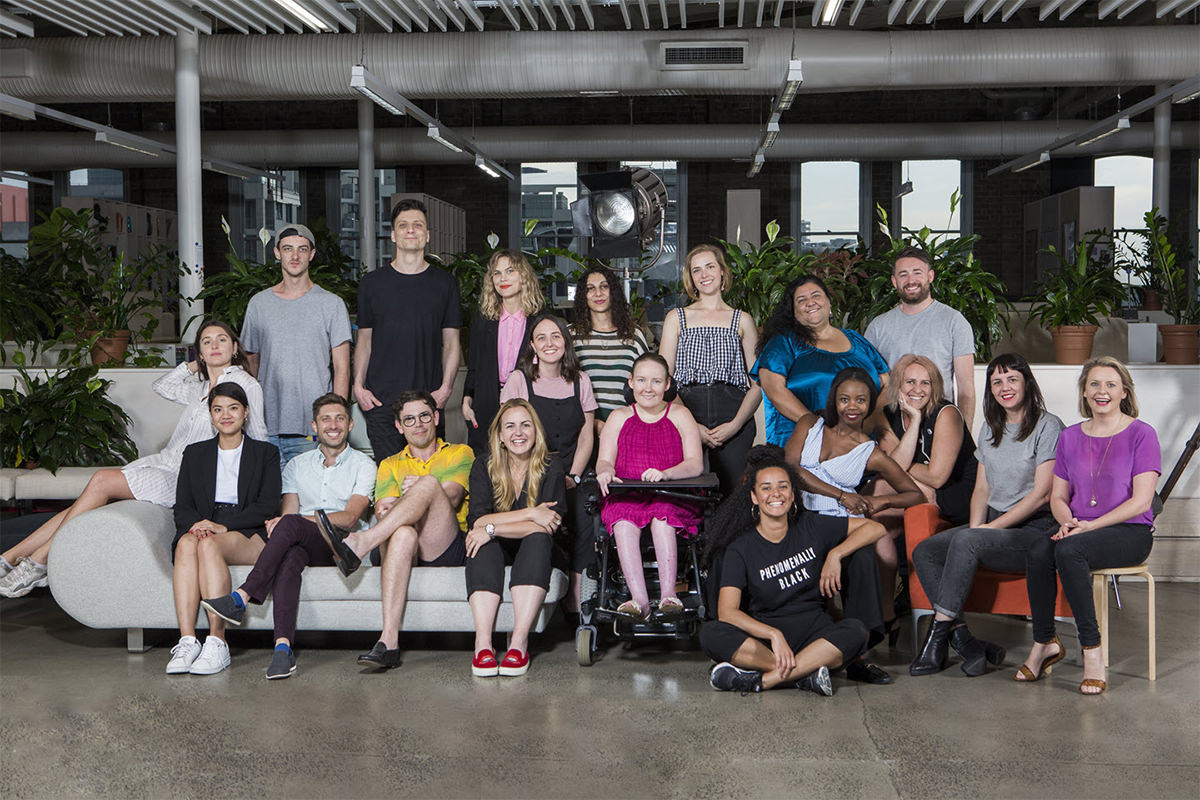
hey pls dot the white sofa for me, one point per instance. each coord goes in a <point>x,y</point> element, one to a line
<point>111,568</point>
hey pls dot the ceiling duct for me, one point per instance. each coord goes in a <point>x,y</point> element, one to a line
<point>703,55</point>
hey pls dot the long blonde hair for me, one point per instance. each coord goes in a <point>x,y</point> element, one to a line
<point>504,493</point>
<point>937,387</point>
<point>532,299</point>
<point>1129,405</point>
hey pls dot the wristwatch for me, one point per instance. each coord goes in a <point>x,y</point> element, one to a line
<point>576,477</point>
<point>490,530</point>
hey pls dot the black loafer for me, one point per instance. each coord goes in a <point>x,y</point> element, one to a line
<point>380,657</point>
<point>345,558</point>
<point>863,672</point>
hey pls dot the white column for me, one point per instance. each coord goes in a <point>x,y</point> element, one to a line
<point>1161,195</point>
<point>366,183</point>
<point>187,176</point>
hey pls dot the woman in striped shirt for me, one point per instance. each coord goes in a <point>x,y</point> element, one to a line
<point>607,340</point>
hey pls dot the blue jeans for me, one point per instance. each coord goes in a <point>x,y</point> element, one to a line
<point>291,446</point>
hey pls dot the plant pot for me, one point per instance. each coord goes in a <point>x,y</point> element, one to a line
<point>1181,343</point>
<point>110,349</point>
<point>1073,343</point>
<point>1150,300</point>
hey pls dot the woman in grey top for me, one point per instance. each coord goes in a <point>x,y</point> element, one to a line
<point>1009,511</point>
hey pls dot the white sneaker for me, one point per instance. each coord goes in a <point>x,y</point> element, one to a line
<point>213,658</point>
<point>183,655</point>
<point>24,578</point>
<point>6,567</point>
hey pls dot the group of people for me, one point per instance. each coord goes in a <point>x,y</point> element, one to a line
<point>859,427</point>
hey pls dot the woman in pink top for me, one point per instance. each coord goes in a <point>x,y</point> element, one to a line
<point>650,440</point>
<point>1105,471</point>
<point>509,295</point>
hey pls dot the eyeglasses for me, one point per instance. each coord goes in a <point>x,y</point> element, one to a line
<point>424,418</point>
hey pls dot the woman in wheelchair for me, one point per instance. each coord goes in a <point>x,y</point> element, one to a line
<point>779,564</point>
<point>834,451</point>
<point>652,439</point>
<point>1105,471</point>
<point>1009,512</point>
<point>517,493</point>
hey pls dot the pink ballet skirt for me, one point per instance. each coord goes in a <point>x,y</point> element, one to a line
<point>640,446</point>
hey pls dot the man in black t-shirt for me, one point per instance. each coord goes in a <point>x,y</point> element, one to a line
<point>408,318</point>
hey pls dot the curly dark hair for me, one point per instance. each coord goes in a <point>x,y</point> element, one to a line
<point>622,316</point>
<point>732,518</point>
<point>783,318</point>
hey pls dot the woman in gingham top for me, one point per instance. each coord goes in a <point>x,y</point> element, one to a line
<point>708,345</point>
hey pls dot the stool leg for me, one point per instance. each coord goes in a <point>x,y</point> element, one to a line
<point>1100,600</point>
<point>1150,602</point>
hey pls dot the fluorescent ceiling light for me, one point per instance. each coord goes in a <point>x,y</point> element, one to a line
<point>791,85</point>
<point>21,176</point>
<point>435,134</point>
<point>236,170</point>
<point>1030,161</point>
<point>829,14</point>
<point>376,90</point>
<point>16,107</point>
<point>1121,124</point>
<point>770,136</point>
<point>599,92</point>
<point>481,162</point>
<point>906,188</point>
<point>756,165</point>
<point>303,14</point>
<point>1188,91</point>
<point>137,144</point>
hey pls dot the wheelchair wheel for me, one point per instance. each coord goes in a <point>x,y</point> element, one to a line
<point>585,645</point>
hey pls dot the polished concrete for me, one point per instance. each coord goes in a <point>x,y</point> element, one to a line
<point>83,718</point>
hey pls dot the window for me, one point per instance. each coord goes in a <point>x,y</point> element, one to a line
<point>547,191</point>
<point>1132,179</point>
<point>14,216</point>
<point>928,205</point>
<point>828,205</point>
<point>265,206</point>
<point>347,226</point>
<point>106,183</point>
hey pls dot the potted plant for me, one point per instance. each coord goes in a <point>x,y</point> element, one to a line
<point>760,274</point>
<point>1172,273</point>
<point>1071,299</point>
<point>960,281</point>
<point>846,278</point>
<point>32,432</point>
<point>26,305</point>
<point>118,312</point>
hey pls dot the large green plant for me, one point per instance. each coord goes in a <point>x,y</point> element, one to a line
<point>226,294</point>
<point>960,281</point>
<point>1081,289</point>
<point>1151,254</point>
<point>66,418</point>
<point>25,305</point>
<point>760,274</point>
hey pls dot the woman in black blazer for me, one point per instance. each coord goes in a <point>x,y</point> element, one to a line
<point>509,296</point>
<point>229,486</point>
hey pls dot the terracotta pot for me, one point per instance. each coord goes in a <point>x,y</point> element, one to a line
<point>1181,343</point>
<point>1073,343</point>
<point>110,349</point>
<point>1150,300</point>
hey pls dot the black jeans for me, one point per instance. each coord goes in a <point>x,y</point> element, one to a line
<point>530,557</point>
<point>946,562</point>
<point>712,404</point>
<point>1073,558</point>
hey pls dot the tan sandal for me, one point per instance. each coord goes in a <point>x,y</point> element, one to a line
<point>630,609</point>
<point>669,607</point>
<point>1092,683</point>
<point>1026,675</point>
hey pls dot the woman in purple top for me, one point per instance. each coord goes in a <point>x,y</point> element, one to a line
<point>1105,472</point>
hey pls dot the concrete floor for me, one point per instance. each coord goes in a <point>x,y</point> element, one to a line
<point>84,718</point>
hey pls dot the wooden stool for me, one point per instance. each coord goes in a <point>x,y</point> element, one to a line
<point>1100,597</point>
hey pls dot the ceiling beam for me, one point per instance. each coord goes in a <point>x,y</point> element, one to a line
<point>186,17</point>
<point>510,11</point>
<point>69,22</point>
<point>530,14</point>
<point>645,15</point>
<point>456,16</point>
<point>587,14</point>
<point>468,7</point>
<point>225,14</point>
<point>565,5</point>
<point>12,25</point>
<point>894,11</point>
<point>548,13</point>
<point>624,4</point>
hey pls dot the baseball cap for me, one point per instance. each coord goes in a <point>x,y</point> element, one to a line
<point>295,230</point>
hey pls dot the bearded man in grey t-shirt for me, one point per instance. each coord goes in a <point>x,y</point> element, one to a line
<point>925,327</point>
<point>298,340</point>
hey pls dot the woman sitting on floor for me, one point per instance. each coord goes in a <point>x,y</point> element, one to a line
<point>1009,512</point>
<point>517,495</point>
<point>772,627</point>
<point>1105,471</point>
<point>833,452</point>
<point>151,478</point>
<point>652,439</point>
<point>229,486</point>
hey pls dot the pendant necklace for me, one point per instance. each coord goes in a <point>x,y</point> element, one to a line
<point>1091,459</point>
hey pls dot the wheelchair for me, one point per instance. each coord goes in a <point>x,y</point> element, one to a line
<point>603,586</point>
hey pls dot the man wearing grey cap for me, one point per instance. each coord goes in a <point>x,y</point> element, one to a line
<point>298,338</point>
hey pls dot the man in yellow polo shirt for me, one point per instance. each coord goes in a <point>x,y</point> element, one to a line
<point>421,502</point>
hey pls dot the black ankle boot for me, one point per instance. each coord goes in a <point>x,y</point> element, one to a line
<point>934,653</point>
<point>976,655</point>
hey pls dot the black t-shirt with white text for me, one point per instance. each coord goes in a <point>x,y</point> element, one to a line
<point>782,579</point>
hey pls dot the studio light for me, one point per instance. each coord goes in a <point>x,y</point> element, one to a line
<point>621,212</point>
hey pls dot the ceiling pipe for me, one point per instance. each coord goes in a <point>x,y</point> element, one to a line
<point>548,64</point>
<point>39,152</point>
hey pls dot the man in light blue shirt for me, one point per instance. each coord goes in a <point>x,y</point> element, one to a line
<point>334,478</point>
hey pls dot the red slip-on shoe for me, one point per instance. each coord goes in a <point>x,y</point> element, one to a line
<point>514,663</point>
<point>484,665</point>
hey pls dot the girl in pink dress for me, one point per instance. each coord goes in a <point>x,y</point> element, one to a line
<point>650,440</point>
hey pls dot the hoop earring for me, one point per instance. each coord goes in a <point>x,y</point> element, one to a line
<point>795,512</point>
<point>755,513</point>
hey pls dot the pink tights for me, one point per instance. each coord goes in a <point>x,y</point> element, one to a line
<point>666,552</point>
